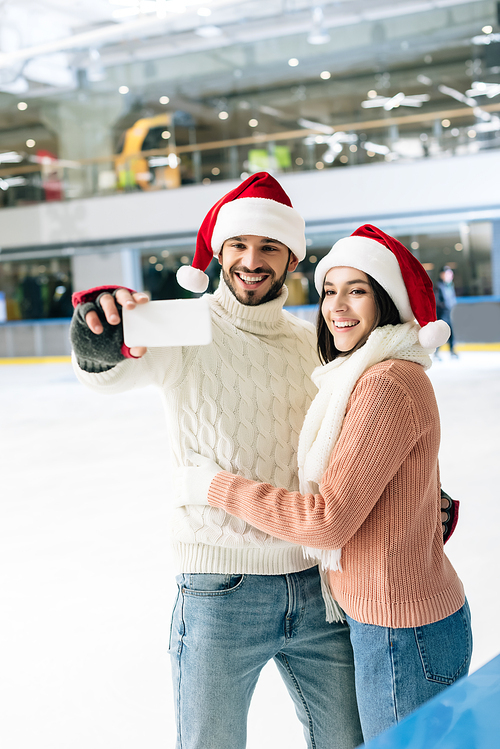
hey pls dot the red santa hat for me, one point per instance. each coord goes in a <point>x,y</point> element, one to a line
<point>398,271</point>
<point>258,206</point>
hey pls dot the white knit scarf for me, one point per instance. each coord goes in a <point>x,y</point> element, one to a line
<point>324,419</point>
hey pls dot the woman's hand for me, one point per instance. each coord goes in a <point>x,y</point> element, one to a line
<point>193,482</point>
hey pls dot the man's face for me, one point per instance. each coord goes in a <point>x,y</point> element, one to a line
<point>255,268</point>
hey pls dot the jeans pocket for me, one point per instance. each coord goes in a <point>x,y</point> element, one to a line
<point>445,647</point>
<point>210,585</point>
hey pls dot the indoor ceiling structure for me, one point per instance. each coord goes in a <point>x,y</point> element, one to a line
<point>44,43</point>
<point>233,69</point>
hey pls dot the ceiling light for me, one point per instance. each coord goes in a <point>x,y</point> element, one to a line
<point>166,134</point>
<point>208,32</point>
<point>372,94</point>
<point>445,123</point>
<point>457,95</point>
<point>125,12</point>
<point>319,37</point>
<point>375,148</point>
<point>392,102</point>
<point>325,75</point>
<point>479,88</point>
<point>10,157</point>
<point>253,122</point>
<point>223,115</point>
<point>311,125</point>
<point>293,62</point>
<point>123,90</point>
<point>164,99</point>
<point>415,245</point>
<point>95,70</point>
<point>485,39</point>
<point>471,133</point>
<point>487,29</point>
<point>30,142</point>
<point>318,33</point>
<point>424,79</point>
<point>22,105</point>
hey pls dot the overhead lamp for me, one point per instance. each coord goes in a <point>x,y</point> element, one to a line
<point>487,29</point>
<point>376,148</point>
<point>31,143</point>
<point>253,122</point>
<point>485,39</point>
<point>392,102</point>
<point>424,79</point>
<point>311,125</point>
<point>123,90</point>
<point>22,106</point>
<point>208,31</point>
<point>457,95</point>
<point>223,115</point>
<point>318,33</point>
<point>479,88</point>
<point>164,99</point>
<point>95,71</point>
<point>10,157</point>
<point>293,62</point>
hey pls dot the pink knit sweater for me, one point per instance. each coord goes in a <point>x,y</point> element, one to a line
<point>379,502</point>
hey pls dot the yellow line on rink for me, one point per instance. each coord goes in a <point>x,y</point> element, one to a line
<point>36,360</point>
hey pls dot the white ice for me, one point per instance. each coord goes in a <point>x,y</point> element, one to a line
<point>87,580</point>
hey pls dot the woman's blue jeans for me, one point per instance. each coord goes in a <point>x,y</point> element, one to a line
<point>225,628</point>
<point>397,670</point>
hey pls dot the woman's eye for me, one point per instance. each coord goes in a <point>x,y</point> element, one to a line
<point>358,291</point>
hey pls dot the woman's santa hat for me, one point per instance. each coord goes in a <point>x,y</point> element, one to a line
<point>398,271</point>
<point>258,206</point>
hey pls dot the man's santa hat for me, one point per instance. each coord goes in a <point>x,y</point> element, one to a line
<point>398,271</point>
<point>258,206</point>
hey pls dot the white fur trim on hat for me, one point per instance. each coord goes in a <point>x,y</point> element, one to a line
<point>434,334</point>
<point>372,258</point>
<point>260,217</point>
<point>192,279</point>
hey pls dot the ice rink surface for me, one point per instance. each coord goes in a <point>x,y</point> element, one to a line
<point>87,580</point>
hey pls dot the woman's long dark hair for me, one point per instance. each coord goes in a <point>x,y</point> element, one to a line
<point>387,314</point>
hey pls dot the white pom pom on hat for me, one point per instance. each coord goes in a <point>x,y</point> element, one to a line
<point>258,206</point>
<point>399,272</point>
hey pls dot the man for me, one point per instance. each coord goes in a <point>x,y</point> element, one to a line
<point>244,597</point>
<point>445,301</point>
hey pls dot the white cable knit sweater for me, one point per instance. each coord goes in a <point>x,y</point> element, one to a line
<point>241,401</point>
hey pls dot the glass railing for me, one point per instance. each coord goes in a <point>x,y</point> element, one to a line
<point>26,180</point>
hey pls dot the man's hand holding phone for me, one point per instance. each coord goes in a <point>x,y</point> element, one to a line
<point>108,303</point>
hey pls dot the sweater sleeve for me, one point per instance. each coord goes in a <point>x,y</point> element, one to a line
<point>378,433</point>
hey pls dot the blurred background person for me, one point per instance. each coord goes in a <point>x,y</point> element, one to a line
<point>446,299</point>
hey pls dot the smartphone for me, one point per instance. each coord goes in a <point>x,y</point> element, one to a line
<point>173,322</point>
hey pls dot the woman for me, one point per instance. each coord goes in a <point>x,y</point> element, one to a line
<point>369,506</point>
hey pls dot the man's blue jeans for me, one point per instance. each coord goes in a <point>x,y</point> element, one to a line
<point>397,670</point>
<point>225,628</point>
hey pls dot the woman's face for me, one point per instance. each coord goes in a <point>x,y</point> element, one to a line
<point>349,306</point>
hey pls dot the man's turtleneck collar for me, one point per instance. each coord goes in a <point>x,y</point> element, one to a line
<point>259,318</point>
